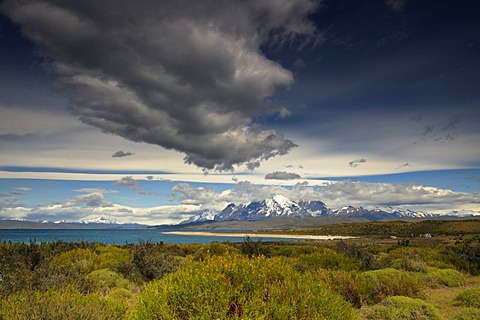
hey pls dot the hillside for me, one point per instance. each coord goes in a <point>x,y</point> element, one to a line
<point>394,228</point>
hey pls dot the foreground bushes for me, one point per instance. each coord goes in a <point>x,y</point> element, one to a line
<point>469,298</point>
<point>249,280</point>
<point>238,287</point>
<point>403,308</point>
<point>446,277</point>
<point>468,314</point>
<point>371,287</point>
<point>64,304</point>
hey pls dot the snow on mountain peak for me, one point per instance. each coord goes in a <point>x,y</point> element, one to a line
<point>281,200</point>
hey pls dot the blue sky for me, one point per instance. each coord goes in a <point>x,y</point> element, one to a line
<point>154,112</point>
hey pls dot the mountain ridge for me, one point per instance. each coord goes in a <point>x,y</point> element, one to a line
<point>280,206</point>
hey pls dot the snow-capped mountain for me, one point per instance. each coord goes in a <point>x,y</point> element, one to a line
<point>280,206</point>
<point>98,220</point>
<point>205,215</point>
<point>378,213</point>
<point>277,206</point>
<point>316,208</point>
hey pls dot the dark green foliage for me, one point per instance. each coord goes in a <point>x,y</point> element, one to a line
<point>152,261</point>
<point>253,248</point>
<point>465,255</point>
<point>397,228</point>
<point>366,258</point>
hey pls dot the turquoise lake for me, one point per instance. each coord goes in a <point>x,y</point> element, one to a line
<point>115,236</point>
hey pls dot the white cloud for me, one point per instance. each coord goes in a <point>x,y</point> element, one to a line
<point>338,194</point>
<point>194,199</point>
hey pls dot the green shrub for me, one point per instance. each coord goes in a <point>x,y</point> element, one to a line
<point>374,286</point>
<point>110,257</point>
<point>431,256</point>
<point>253,248</point>
<point>465,255</point>
<point>408,264</point>
<point>121,296</point>
<point>65,304</point>
<point>403,308</point>
<point>327,259</point>
<point>469,298</point>
<point>82,260</point>
<point>468,314</point>
<point>342,282</point>
<point>105,279</point>
<point>445,277</point>
<point>213,249</point>
<point>233,286</point>
<point>152,262</point>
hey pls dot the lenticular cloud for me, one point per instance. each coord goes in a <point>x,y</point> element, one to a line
<point>185,75</point>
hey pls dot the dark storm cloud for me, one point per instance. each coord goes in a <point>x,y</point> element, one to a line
<point>121,153</point>
<point>282,175</point>
<point>185,75</point>
<point>356,163</point>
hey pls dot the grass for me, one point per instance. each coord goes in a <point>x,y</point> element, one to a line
<point>443,298</point>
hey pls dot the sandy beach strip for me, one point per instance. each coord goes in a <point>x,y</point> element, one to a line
<point>256,235</point>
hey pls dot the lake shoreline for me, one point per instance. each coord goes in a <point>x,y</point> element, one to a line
<point>257,235</point>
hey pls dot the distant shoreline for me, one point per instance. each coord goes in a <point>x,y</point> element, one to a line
<point>257,235</point>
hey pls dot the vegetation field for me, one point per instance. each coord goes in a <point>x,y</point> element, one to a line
<point>364,278</point>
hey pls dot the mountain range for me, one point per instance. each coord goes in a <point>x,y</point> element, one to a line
<point>280,206</point>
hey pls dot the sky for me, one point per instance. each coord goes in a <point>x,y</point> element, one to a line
<point>152,111</point>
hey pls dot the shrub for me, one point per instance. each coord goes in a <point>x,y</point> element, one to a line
<point>327,259</point>
<point>253,248</point>
<point>66,304</point>
<point>468,298</point>
<point>152,262</point>
<point>408,264</point>
<point>374,286</point>
<point>446,277</point>
<point>110,257</point>
<point>342,282</point>
<point>468,314</point>
<point>82,260</point>
<point>465,255</point>
<point>105,279</point>
<point>235,286</point>
<point>403,308</point>
<point>213,249</point>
